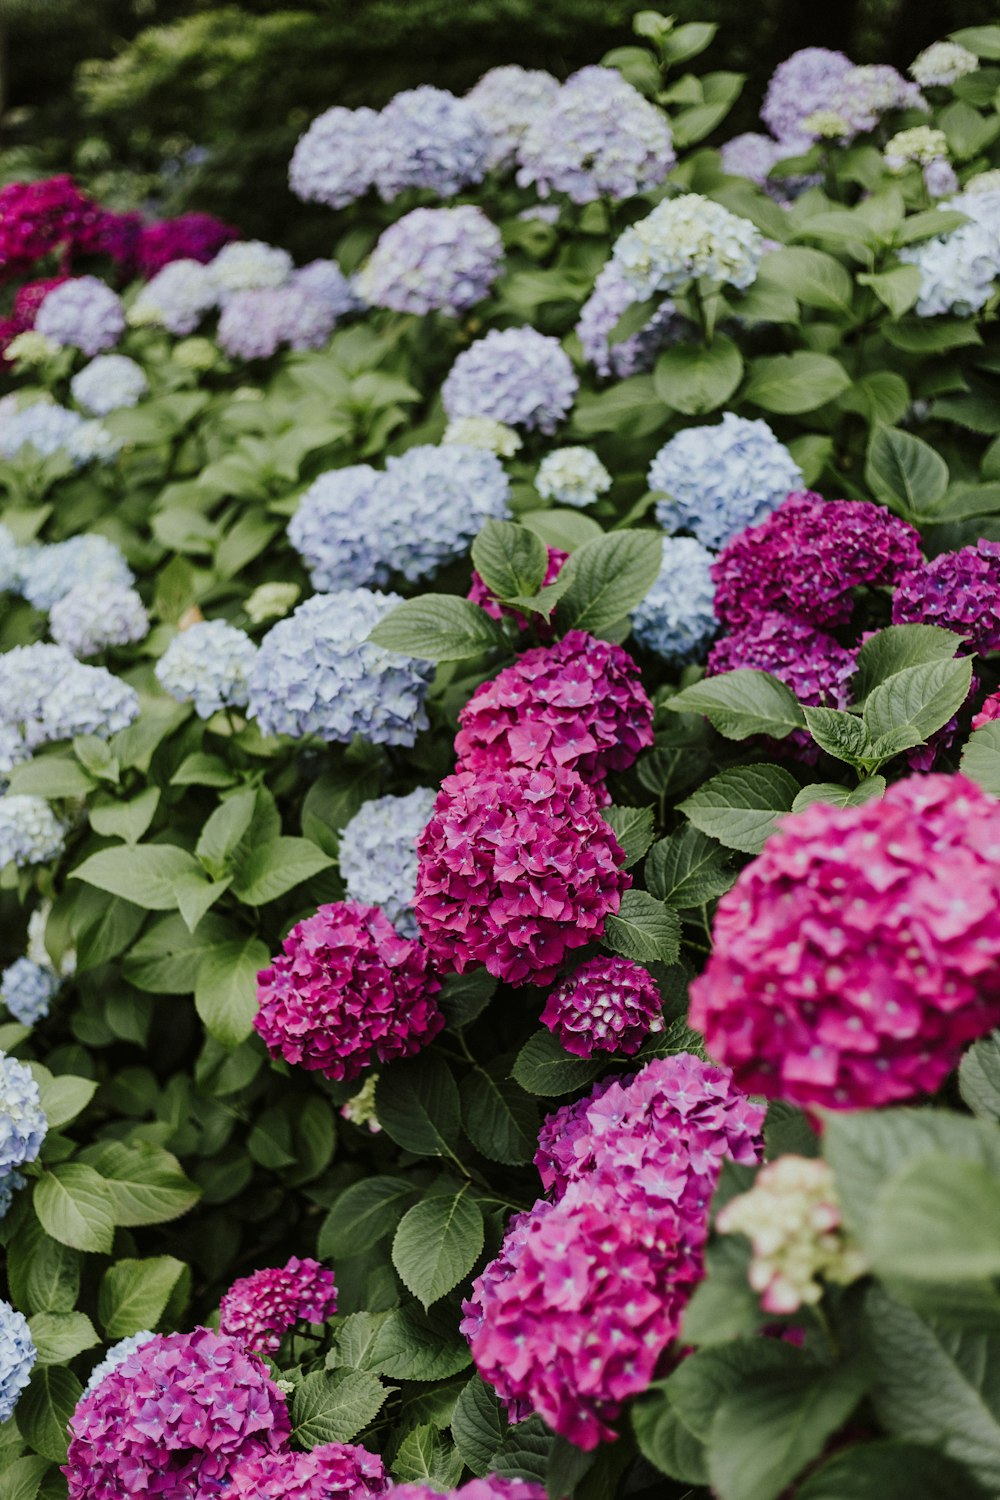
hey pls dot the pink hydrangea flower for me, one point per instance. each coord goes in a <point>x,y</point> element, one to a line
<point>493,1487</point>
<point>578,704</point>
<point>29,298</point>
<point>514,869</point>
<point>38,219</point>
<point>172,1419</point>
<point>480,594</point>
<point>989,711</point>
<point>608,1005</point>
<point>806,558</point>
<point>860,951</point>
<point>191,236</point>
<point>959,591</point>
<point>259,1309</point>
<point>347,991</point>
<point>335,1471</point>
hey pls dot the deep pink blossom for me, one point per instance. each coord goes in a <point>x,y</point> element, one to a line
<point>259,1309</point>
<point>989,711</point>
<point>480,594</point>
<point>335,1471</point>
<point>959,591</point>
<point>172,1419</point>
<point>39,219</point>
<point>515,868</point>
<point>191,236</point>
<point>860,951</point>
<point>346,992</point>
<point>29,298</point>
<point>607,1005</point>
<point>492,1487</point>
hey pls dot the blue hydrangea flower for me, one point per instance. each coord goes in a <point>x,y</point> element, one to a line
<point>722,478</point>
<point>378,854</point>
<point>508,100</point>
<point>516,375</point>
<point>333,161</point>
<point>572,476</point>
<point>333,530</point>
<point>443,259</point>
<point>30,834</point>
<point>108,383</point>
<point>254,324</point>
<point>426,138</point>
<point>209,665</point>
<point>432,503</point>
<point>245,265</point>
<point>115,1356</point>
<point>957,270</point>
<point>13,751</point>
<point>324,279</point>
<point>88,700</point>
<point>28,676</point>
<point>176,298</point>
<point>83,313</point>
<point>23,1125</point>
<point>49,573</point>
<point>86,622</point>
<point>10,1183</point>
<point>317,673</point>
<point>28,989</point>
<point>47,428</point>
<point>612,296</point>
<point>676,619</point>
<point>10,562</point>
<point>599,139</point>
<point>17,1358</point>
<point>685,239</point>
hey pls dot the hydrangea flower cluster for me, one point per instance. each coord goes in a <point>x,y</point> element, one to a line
<point>172,1419</point>
<point>943,63</point>
<point>40,218</point>
<point>378,854</point>
<point>191,236</point>
<point>515,869</point>
<point>989,711</point>
<point>332,161</point>
<point>959,591</point>
<point>572,476</point>
<point>805,559</point>
<point>816,667</point>
<point>115,1356</point>
<point>248,265</point>
<point>921,144</point>
<point>334,533</point>
<point>316,672</point>
<point>492,1487</point>
<point>721,478</point>
<point>261,1308</point>
<point>346,991</point>
<point>333,1471</point>
<point>23,1125</point>
<point>255,323</point>
<point>860,951</point>
<point>325,280</point>
<point>30,832</point>
<point>606,1005</point>
<point>208,664</point>
<point>958,269</point>
<point>433,259</point>
<point>177,298</point>
<point>811,80</point>
<point>508,100</point>
<point>612,296</point>
<point>46,695</point>
<point>432,502</point>
<point>517,375</point>
<point>481,595</point>
<point>85,622</point>
<point>793,1219</point>
<point>677,617</point>
<point>752,155</point>
<point>578,704</point>
<point>17,1358</point>
<point>83,313</point>
<point>484,432</point>
<point>108,383</point>
<point>46,429</point>
<point>27,990</point>
<point>426,138</point>
<point>684,239</point>
<point>49,573</point>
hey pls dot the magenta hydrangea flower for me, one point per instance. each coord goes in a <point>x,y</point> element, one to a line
<point>334,1471</point>
<point>806,558</point>
<point>607,1005</point>
<point>191,236</point>
<point>959,591</point>
<point>480,594</point>
<point>860,951</point>
<point>347,991</point>
<point>578,704</point>
<point>989,711</point>
<point>172,1419</point>
<point>492,1487</point>
<point>514,869</point>
<point>259,1309</point>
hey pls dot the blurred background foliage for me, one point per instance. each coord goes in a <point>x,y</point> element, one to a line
<point>181,104</point>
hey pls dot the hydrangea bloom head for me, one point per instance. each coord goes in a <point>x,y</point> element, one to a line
<point>246,265</point>
<point>317,673</point>
<point>572,476</point>
<point>378,854</point>
<point>598,139</point>
<point>721,478</point>
<point>808,81</point>
<point>191,236</point>
<point>256,322</point>
<point>484,432</point>
<point>49,573</point>
<point>29,298</point>
<point>921,144</point>
<point>27,990</point>
<point>942,63</point>
<point>606,1005</point>
<point>959,591</point>
<point>30,832</point>
<point>83,313</point>
<point>481,595</point>
<point>940,178</point>
<point>108,383</point>
<point>333,1471</point>
<point>515,869</point>
<point>751,155</point>
<point>85,700</point>
<point>860,951</point>
<point>209,665</point>
<point>23,1125</point>
<point>332,530</point>
<point>426,138</point>
<point>17,1358</point>
<point>332,162</point>
<point>989,711</point>
<point>346,992</point>
<point>958,269</point>
<point>492,1487</point>
<point>86,622</point>
<point>14,751</point>
<point>516,375</point>
<point>172,1419</point>
<point>260,1309</point>
<point>114,1357</point>
<point>177,298</point>
<point>677,617</point>
<point>611,297</point>
<point>508,100</point>
<point>324,279</point>
<point>805,559</point>
<point>432,503</point>
<point>433,259</point>
<point>41,218</point>
<point>685,239</point>
<point>45,429</point>
<point>10,1183</point>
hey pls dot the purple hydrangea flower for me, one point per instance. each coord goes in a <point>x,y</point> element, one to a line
<point>255,323</point>
<point>508,100</point>
<point>333,161</point>
<point>433,259</point>
<point>612,296</point>
<point>83,313</point>
<point>517,376</point>
<point>426,138</point>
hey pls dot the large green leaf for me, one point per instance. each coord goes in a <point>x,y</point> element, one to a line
<point>544,1067</point>
<point>334,1406</point>
<point>688,869</point>
<point>791,383</point>
<point>643,929</point>
<point>145,874</point>
<point>979,1077</point>
<point>890,1471</point>
<point>696,379</point>
<point>74,1205</point>
<point>742,703</point>
<point>897,647</point>
<point>478,1425</point>
<point>500,1118</point>
<point>904,472</point>
<point>134,1294</point>
<point>147,1184</point>
<point>272,868</point>
<point>738,807</point>
<point>921,699</point>
<point>418,1105</point>
<point>44,1410</point>
<point>981,757</point>
<point>937,1219</point>
<point>438,627</point>
<point>225,992</point>
<point>510,559</point>
<point>606,578</point>
<point>437,1244</point>
<point>363,1215</point>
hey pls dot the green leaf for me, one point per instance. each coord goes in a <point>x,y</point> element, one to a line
<point>43,1275</point>
<point>565,529</point>
<point>134,1294</point>
<point>643,929</point>
<point>223,832</point>
<point>74,1206</point>
<point>665,1441</point>
<point>423,1457</point>
<point>890,1471</point>
<point>438,627</point>
<point>363,1215</point>
<point>979,1077</point>
<point>813,277</point>
<point>742,703</point>
<point>839,796</point>
<point>897,289</point>
<point>145,874</point>
<point>418,1106</point>
<point>63,1098</point>
<point>196,895</point>
<point>739,806</point>
<point>928,225</point>
<point>277,866</point>
<point>410,1345</point>
<point>333,1407</point>
<point>500,1119</point>
<point>478,1425</point>
<point>125,820</point>
<point>225,992</point>
<point>146,1183</point>
<point>203,770</point>
<point>920,698</point>
<point>525,1451</point>
<point>44,1410</point>
<point>61,1336</point>
<point>50,776</point>
<point>165,960</point>
<point>790,383</point>
<point>464,997</point>
<point>904,472</point>
<point>897,647</point>
<point>633,830</point>
<point>510,559</point>
<point>981,757</point>
<point>544,1068</point>
<point>695,379</point>
<point>20,1480</point>
<point>606,578</point>
<point>687,869</point>
<point>937,1219</point>
<point>984,41</point>
<point>437,1243</point>
<point>840,734</point>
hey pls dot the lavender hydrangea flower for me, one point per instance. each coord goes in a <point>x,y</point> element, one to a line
<point>17,1358</point>
<point>108,383</point>
<point>677,619</point>
<point>509,100</point>
<point>47,429</point>
<point>317,673</point>
<point>433,259</point>
<point>807,81</point>
<point>722,478</point>
<point>940,178</point>
<point>23,1125</point>
<point>685,239</point>
<point>115,1356</point>
<point>245,265</point>
<point>378,854</point>
<point>30,834</point>
<point>572,476</point>
<point>82,313</point>
<point>254,324</point>
<point>86,622</point>
<point>432,503</point>
<point>324,279</point>
<point>332,162</point>
<point>751,155</point>
<point>27,990</point>
<point>516,375</point>
<point>91,559</point>
<point>426,138</point>
<point>176,298</point>
<point>599,139</point>
<point>209,665</point>
<point>612,296</point>
<point>13,751</point>
<point>943,63</point>
<point>958,270</point>
<point>333,530</point>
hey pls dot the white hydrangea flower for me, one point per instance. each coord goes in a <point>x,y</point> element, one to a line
<point>572,476</point>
